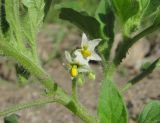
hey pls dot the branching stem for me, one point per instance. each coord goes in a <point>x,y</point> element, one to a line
<point>27,105</point>
<point>142,75</point>
<point>49,84</point>
<point>128,43</point>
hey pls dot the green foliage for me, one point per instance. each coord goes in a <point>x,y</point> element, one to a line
<point>157,18</point>
<point>134,22</point>
<point>72,4</point>
<point>22,19</point>
<point>79,5</point>
<point>48,3</point>
<point>150,6</point>
<point>148,68</point>
<point>144,4</point>
<point>25,19</point>
<point>105,16</point>
<point>158,64</point>
<point>11,119</point>
<point>150,113</point>
<point>13,19</point>
<point>125,8</point>
<point>32,18</point>
<point>128,41</point>
<point>111,107</point>
<point>3,22</point>
<point>85,22</point>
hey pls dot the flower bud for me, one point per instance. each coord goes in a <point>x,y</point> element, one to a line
<point>91,76</point>
<point>80,80</point>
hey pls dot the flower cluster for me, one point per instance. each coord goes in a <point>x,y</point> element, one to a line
<point>78,60</point>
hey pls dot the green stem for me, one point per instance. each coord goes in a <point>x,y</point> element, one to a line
<point>35,54</point>
<point>35,69</point>
<point>27,105</point>
<point>48,83</point>
<point>82,113</point>
<point>145,32</point>
<point>74,90</point>
<point>109,69</point>
<point>76,108</point>
<point>142,75</point>
<point>128,42</point>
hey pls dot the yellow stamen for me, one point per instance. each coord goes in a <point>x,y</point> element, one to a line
<point>74,71</point>
<point>86,53</point>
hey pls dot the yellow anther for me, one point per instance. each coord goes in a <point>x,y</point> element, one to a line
<point>86,53</point>
<point>74,71</point>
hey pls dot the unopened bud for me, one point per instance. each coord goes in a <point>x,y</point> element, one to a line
<point>91,76</point>
<point>80,80</point>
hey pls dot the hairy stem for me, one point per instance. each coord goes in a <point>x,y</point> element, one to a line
<point>145,32</point>
<point>128,42</point>
<point>139,77</point>
<point>28,64</point>
<point>27,105</point>
<point>74,90</point>
<point>35,54</point>
<point>48,83</point>
<point>76,108</point>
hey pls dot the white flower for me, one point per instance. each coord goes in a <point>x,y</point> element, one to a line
<point>76,63</point>
<point>88,48</point>
<point>76,58</point>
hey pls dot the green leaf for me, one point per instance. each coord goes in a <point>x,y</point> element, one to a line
<point>86,23</point>
<point>133,23</point>
<point>125,8</point>
<point>32,15</point>
<point>105,16</point>
<point>24,17</point>
<point>4,26</point>
<point>102,9</point>
<point>127,15</point>
<point>111,107</point>
<point>157,18</point>
<point>150,113</point>
<point>48,3</point>
<point>144,4</point>
<point>158,64</point>
<point>32,18</point>
<point>152,6</point>
<point>12,17</point>
<point>149,9</point>
<point>11,119</point>
<point>69,4</point>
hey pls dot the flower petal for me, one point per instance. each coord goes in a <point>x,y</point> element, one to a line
<point>68,56</point>
<point>84,40</point>
<point>94,57</point>
<point>93,43</point>
<point>79,58</point>
<point>83,70</point>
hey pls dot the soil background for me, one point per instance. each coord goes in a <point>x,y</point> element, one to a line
<point>11,92</point>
